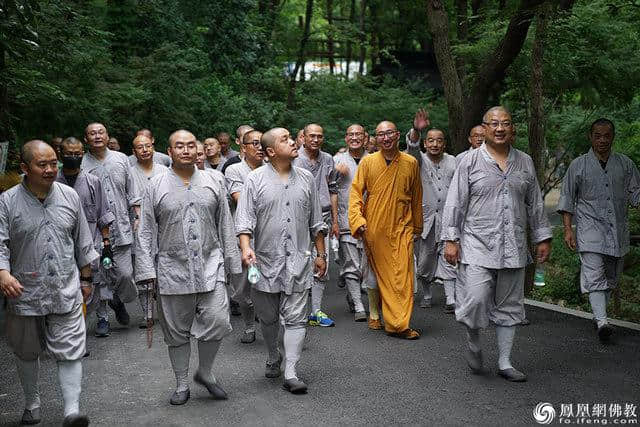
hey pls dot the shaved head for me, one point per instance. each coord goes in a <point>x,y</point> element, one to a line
<point>98,124</point>
<point>146,132</point>
<point>387,125</point>
<point>242,130</point>
<point>141,139</point>
<point>249,135</point>
<point>493,110</point>
<point>181,134</point>
<point>71,141</point>
<point>310,126</point>
<point>28,150</point>
<point>270,137</point>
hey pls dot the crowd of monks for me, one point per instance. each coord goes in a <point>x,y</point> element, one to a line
<point>204,231</point>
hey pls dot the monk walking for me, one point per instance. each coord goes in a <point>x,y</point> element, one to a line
<point>387,220</point>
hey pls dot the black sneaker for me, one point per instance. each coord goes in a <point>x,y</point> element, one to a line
<point>31,416</point>
<point>234,307</point>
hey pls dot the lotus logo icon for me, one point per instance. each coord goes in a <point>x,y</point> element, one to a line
<point>544,413</point>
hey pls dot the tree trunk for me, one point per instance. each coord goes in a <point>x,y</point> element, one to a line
<point>537,145</point>
<point>330,46</point>
<point>349,53</point>
<point>301,53</point>
<point>363,36</point>
<point>439,26</point>
<point>462,26</point>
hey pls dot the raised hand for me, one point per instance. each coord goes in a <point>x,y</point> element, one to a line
<point>421,120</point>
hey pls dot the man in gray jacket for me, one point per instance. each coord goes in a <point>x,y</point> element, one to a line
<point>46,251</point>
<point>493,195</point>
<point>596,192</point>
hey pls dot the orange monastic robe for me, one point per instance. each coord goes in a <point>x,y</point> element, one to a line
<point>388,200</point>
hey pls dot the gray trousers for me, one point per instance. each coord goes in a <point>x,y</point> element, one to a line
<point>120,277</point>
<point>204,316</point>
<point>293,309</point>
<point>61,335</point>
<point>351,260</point>
<point>599,272</point>
<point>486,295</point>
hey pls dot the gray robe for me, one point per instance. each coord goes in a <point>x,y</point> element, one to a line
<point>283,220</point>
<point>324,175</point>
<point>488,210</point>
<point>598,200</point>
<point>43,245</point>
<point>142,183</point>
<point>196,242</point>
<point>115,175</point>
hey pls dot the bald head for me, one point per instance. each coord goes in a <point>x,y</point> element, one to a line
<point>70,142</point>
<point>141,140</point>
<point>31,148</point>
<point>181,135</point>
<point>386,125</point>
<point>499,109</point>
<point>269,138</point>
<point>146,132</point>
<point>242,130</point>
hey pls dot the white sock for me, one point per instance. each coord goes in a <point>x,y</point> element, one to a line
<point>270,335</point>
<point>450,290</point>
<point>248,315</point>
<point>70,377</point>
<point>317,292</point>
<point>504,336</point>
<point>353,287</point>
<point>207,351</point>
<point>293,342</point>
<point>598,300</point>
<point>29,373</point>
<point>426,289</point>
<point>473,339</point>
<point>180,363</point>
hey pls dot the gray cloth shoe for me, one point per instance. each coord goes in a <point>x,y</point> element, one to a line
<point>295,386</point>
<point>512,374</point>
<point>31,416</point>
<point>213,388</point>
<point>75,420</point>
<point>449,309</point>
<point>425,304</point>
<point>360,316</point>
<point>248,337</point>
<point>272,370</point>
<point>180,397</point>
<point>474,360</point>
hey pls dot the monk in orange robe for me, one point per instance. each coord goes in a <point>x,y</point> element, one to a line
<point>385,210</point>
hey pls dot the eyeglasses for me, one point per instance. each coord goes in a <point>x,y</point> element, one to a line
<point>495,124</point>
<point>255,143</point>
<point>356,134</point>
<point>388,134</point>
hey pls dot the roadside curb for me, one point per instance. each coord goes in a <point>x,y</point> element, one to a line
<point>580,313</point>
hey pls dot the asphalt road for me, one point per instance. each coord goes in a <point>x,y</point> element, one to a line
<point>355,376</point>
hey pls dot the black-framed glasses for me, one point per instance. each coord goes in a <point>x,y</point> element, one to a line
<point>254,143</point>
<point>494,124</point>
<point>388,134</point>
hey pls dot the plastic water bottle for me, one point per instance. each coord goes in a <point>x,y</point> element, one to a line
<point>253,274</point>
<point>107,264</point>
<point>335,246</point>
<point>538,278</point>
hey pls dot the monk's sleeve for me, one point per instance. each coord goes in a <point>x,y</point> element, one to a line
<point>455,207</point>
<point>356,199</point>
<point>416,200</point>
<point>228,239</point>
<point>569,189</point>
<point>144,264</point>
<point>633,184</point>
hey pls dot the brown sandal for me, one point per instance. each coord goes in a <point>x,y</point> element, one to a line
<point>407,334</point>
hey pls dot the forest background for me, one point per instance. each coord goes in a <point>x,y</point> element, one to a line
<point>209,66</point>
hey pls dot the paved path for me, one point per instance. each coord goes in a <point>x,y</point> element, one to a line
<point>356,376</point>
